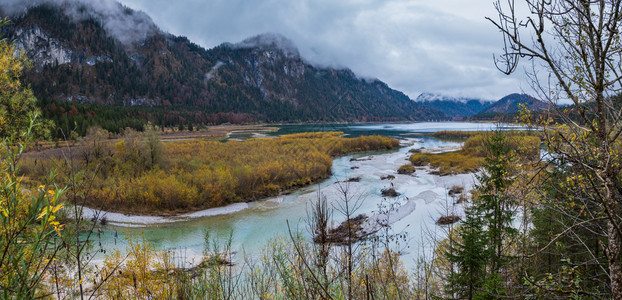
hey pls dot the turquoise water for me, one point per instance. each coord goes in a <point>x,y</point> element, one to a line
<point>391,129</point>
<point>252,228</point>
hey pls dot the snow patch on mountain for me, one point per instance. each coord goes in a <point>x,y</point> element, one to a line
<point>429,97</point>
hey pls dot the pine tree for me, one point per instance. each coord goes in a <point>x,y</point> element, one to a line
<point>485,234</point>
<point>469,255</point>
<point>493,200</point>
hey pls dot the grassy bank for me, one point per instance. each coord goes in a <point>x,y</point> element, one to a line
<point>474,150</point>
<point>454,134</point>
<point>141,175</point>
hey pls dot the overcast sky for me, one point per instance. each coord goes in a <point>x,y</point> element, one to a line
<point>440,46</point>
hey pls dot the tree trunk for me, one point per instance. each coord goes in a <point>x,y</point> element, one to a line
<point>613,234</point>
<point>613,257</point>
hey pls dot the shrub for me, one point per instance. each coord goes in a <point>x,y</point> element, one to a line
<point>406,169</point>
<point>455,190</point>
<point>390,192</point>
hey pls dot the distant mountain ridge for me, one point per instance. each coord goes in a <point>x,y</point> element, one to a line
<point>511,104</point>
<point>81,54</point>
<point>456,107</point>
<point>428,97</point>
<point>461,108</point>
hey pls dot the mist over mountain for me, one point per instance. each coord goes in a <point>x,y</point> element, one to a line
<point>456,107</point>
<point>268,42</point>
<point>102,52</point>
<point>119,21</point>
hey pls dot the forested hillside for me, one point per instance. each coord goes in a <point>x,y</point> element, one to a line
<point>78,59</point>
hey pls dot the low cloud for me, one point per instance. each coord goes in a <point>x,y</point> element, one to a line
<point>415,46</point>
<point>269,40</point>
<point>124,24</point>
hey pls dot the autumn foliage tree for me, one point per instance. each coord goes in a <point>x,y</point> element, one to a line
<point>28,218</point>
<point>578,44</point>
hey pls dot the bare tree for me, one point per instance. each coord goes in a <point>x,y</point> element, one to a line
<point>578,43</point>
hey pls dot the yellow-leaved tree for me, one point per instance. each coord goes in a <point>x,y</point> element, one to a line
<point>28,224</point>
<point>576,50</point>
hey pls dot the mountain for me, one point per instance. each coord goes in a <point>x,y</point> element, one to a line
<point>90,53</point>
<point>454,107</point>
<point>510,106</point>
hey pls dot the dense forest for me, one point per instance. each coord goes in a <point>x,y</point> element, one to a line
<point>256,82</point>
<point>70,117</point>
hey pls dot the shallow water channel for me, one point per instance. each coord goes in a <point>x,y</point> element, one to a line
<point>254,224</point>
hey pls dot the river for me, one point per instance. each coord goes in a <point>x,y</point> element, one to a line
<point>252,225</point>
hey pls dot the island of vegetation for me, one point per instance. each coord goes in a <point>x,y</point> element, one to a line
<point>137,173</point>
<point>475,149</point>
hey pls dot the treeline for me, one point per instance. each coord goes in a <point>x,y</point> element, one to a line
<point>76,117</point>
<point>139,174</point>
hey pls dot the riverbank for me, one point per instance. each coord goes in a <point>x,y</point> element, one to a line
<point>369,168</point>
<point>128,220</point>
<point>141,175</point>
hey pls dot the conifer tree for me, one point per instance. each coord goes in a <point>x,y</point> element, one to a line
<point>486,233</point>
<point>469,255</point>
<point>493,200</point>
